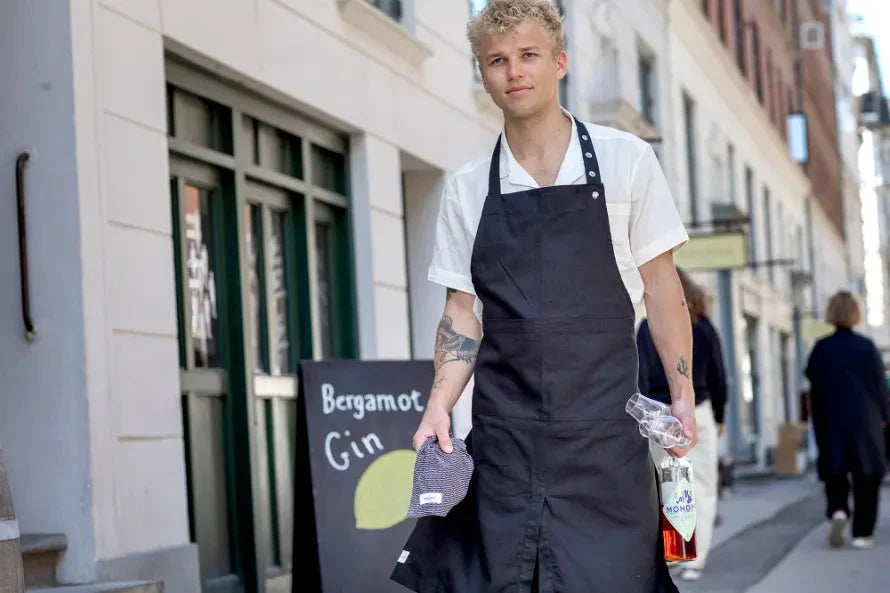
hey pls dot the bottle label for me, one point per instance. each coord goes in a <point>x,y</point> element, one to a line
<point>679,508</point>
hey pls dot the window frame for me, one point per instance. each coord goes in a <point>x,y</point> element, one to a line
<point>689,112</point>
<point>648,103</point>
<point>202,84</point>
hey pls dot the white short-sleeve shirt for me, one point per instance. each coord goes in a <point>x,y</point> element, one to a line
<point>643,218</point>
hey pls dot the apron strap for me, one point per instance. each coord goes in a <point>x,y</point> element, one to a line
<point>494,172</point>
<point>591,165</point>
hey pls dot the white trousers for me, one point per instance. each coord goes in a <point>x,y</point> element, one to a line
<point>704,480</point>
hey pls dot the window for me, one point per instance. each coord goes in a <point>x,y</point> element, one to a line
<point>391,7</point>
<point>749,202</point>
<point>730,173</point>
<point>647,87</point>
<point>800,250</point>
<point>781,236</point>
<point>262,269</point>
<point>768,232</point>
<point>758,67</point>
<point>718,183</point>
<point>785,362</point>
<point>739,34</point>
<point>770,87</point>
<point>691,169</point>
<point>564,82</point>
<point>777,93</point>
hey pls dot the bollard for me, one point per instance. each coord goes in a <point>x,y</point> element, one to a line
<point>12,578</point>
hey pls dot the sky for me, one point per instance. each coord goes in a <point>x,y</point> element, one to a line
<point>876,23</point>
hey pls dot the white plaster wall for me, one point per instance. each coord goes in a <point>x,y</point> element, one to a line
<point>604,40</point>
<point>422,191</point>
<point>136,425</point>
<point>379,220</point>
<point>325,68</point>
<point>44,404</point>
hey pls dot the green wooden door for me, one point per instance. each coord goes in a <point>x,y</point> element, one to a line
<point>264,278</point>
<point>207,316</point>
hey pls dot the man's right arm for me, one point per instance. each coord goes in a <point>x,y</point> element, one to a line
<point>457,343</point>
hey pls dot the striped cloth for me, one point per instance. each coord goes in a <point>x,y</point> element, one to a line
<point>441,480</point>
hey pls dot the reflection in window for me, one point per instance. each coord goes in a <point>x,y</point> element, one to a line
<point>254,229</point>
<point>199,121</point>
<point>279,302</point>
<point>200,264</point>
<point>328,169</point>
<point>323,238</point>
<point>274,149</point>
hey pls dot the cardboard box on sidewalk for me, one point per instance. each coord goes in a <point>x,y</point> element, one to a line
<point>791,458</point>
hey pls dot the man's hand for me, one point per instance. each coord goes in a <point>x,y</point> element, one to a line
<point>435,422</point>
<point>685,413</point>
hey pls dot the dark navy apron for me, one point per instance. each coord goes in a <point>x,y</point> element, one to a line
<point>564,490</point>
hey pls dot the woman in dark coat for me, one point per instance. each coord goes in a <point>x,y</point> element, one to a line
<point>850,408</point>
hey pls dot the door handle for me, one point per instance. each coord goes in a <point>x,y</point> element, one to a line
<point>20,164</point>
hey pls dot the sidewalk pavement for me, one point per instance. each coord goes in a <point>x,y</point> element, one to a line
<point>756,499</point>
<point>763,519</point>
<point>773,539</point>
<point>815,568</point>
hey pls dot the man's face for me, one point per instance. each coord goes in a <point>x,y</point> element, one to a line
<point>519,70</point>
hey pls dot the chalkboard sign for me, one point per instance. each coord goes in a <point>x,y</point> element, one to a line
<point>355,465</point>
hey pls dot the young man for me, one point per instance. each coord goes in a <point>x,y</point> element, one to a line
<point>554,238</point>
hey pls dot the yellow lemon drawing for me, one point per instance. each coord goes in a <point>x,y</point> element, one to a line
<point>383,492</point>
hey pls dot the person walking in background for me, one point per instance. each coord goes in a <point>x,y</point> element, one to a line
<point>848,400</point>
<point>709,381</point>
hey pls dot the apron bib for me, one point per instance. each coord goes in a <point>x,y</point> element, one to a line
<point>563,480</point>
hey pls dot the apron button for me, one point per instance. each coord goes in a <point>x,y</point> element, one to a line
<point>588,155</point>
<point>596,194</point>
<point>584,137</point>
<point>592,174</point>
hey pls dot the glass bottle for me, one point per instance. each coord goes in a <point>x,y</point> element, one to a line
<point>677,509</point>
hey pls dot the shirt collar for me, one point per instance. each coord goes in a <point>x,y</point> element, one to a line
<point>571,169</point>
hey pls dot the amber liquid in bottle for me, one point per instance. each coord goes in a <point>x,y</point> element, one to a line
<point>674,472</point>
<point>676,549</point>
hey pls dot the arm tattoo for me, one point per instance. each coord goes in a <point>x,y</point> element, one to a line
<point>683,367</point>
<point>449,292</point>
<point>452,346</point>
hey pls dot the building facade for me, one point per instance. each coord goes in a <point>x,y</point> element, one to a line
<point>217,190</point>
<point>844,50</point>
<point>769,64</point>
<point>874,169</point>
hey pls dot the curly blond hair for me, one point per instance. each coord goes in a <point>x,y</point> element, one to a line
<point>501,16</point>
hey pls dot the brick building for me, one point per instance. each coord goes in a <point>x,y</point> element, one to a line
<point>742,68</point>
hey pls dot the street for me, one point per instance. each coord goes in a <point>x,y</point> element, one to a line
<point>773,539</point>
